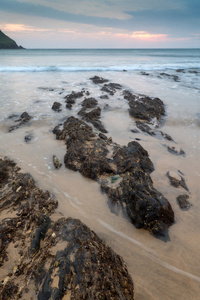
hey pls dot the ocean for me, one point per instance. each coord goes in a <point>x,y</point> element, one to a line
<point>32,80</point>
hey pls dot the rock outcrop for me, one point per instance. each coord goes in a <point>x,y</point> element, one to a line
<point>8,43</point>
<point>100,159</point>
<point>60,259</point>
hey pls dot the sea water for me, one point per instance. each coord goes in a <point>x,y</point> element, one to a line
<point>32,80</point>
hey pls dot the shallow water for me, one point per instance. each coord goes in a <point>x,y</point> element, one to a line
<point>160,270</point>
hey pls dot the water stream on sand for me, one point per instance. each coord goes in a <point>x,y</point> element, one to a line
<point>160,270</point>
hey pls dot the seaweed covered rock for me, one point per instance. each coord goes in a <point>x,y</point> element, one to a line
<point>100,159</point>
<point>60,259</point>
<point>144,107</point>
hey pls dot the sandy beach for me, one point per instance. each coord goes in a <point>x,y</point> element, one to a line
<point>160,268</point>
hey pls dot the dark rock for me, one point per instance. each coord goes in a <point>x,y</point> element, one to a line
<point>174,77</point>
<point>56,162</point>
<point>97,80</point>
<point>40,233</point>
<point>61,258</point>
<point>24,118</point>
<point>145,128</point>
<point>89,103</point>
<point>183,202</point>
<point>145,73</point>
<point>28,137</point>
<point>104,97</point>
<point>144,108</point>
<point>135,130</point>
<point>88,153</point>
<point>56,106</point>
<point>173,150</point>
<point>111,88</point>
<point>177,182</point>
<point>103,136</point>
<point>180,70</point>
<point>167,136</point>
<point>71,98</point>
<point>93,117</point>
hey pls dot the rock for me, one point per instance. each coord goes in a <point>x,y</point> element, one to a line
<point>183,202</point>
<point>174,77</point>
<point>167,136</point>
<point>90,154</point>
<point>145,73</point>
<point>97,80</point>
<point>89,103</point>
<point>145,128</point>
<point>177,180</point>
<point>56,106</point>
<point>180,70</point>
<point>104,97</point>
<point>40,233</point>
<point>111,88</point>
<point>54,259</point>
<point>173,150</point>
<point>93,117</point>
<point>71,98</point>
<point>56,162</point>
<point>24,119</point>
<point>28,137</point>
<point>144,107</point>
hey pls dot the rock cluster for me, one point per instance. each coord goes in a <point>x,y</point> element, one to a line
<point>100,159</point>
<point>60,259</point>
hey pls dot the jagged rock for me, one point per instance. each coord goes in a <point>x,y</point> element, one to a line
<point>177,180</point>
<point>54,259</point>
<point>56,106</point>
<point>144,107</point>
<point>111,88</point>
<point>173,150</point>
<point>174,77</point>
<point>89,103</point>
<point>89,153</point>
<point>71,98</point>
<point>97,80</point>
<point>183,202</point>
<point>167,136</point>
<point>24,118</point>
<point>145,128</point>
<point>92,116</point>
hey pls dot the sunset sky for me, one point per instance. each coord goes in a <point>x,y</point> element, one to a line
<point>102,23</point>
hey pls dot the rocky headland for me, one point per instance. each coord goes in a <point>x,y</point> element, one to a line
<point>7,43</point>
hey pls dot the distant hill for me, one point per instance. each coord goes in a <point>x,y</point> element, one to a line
<point>8,43</point>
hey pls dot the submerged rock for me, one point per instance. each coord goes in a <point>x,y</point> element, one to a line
<point>177,180</point>
<point>183,202</point>
<point>97,80</point>
<point>99,159</point>
<point>60,259</point>
<point>56,106</point>
<point>24,119</point>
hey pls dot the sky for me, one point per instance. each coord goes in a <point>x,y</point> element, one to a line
<point>102,23</point>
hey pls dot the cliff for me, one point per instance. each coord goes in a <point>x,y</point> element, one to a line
<point>8,43</point>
